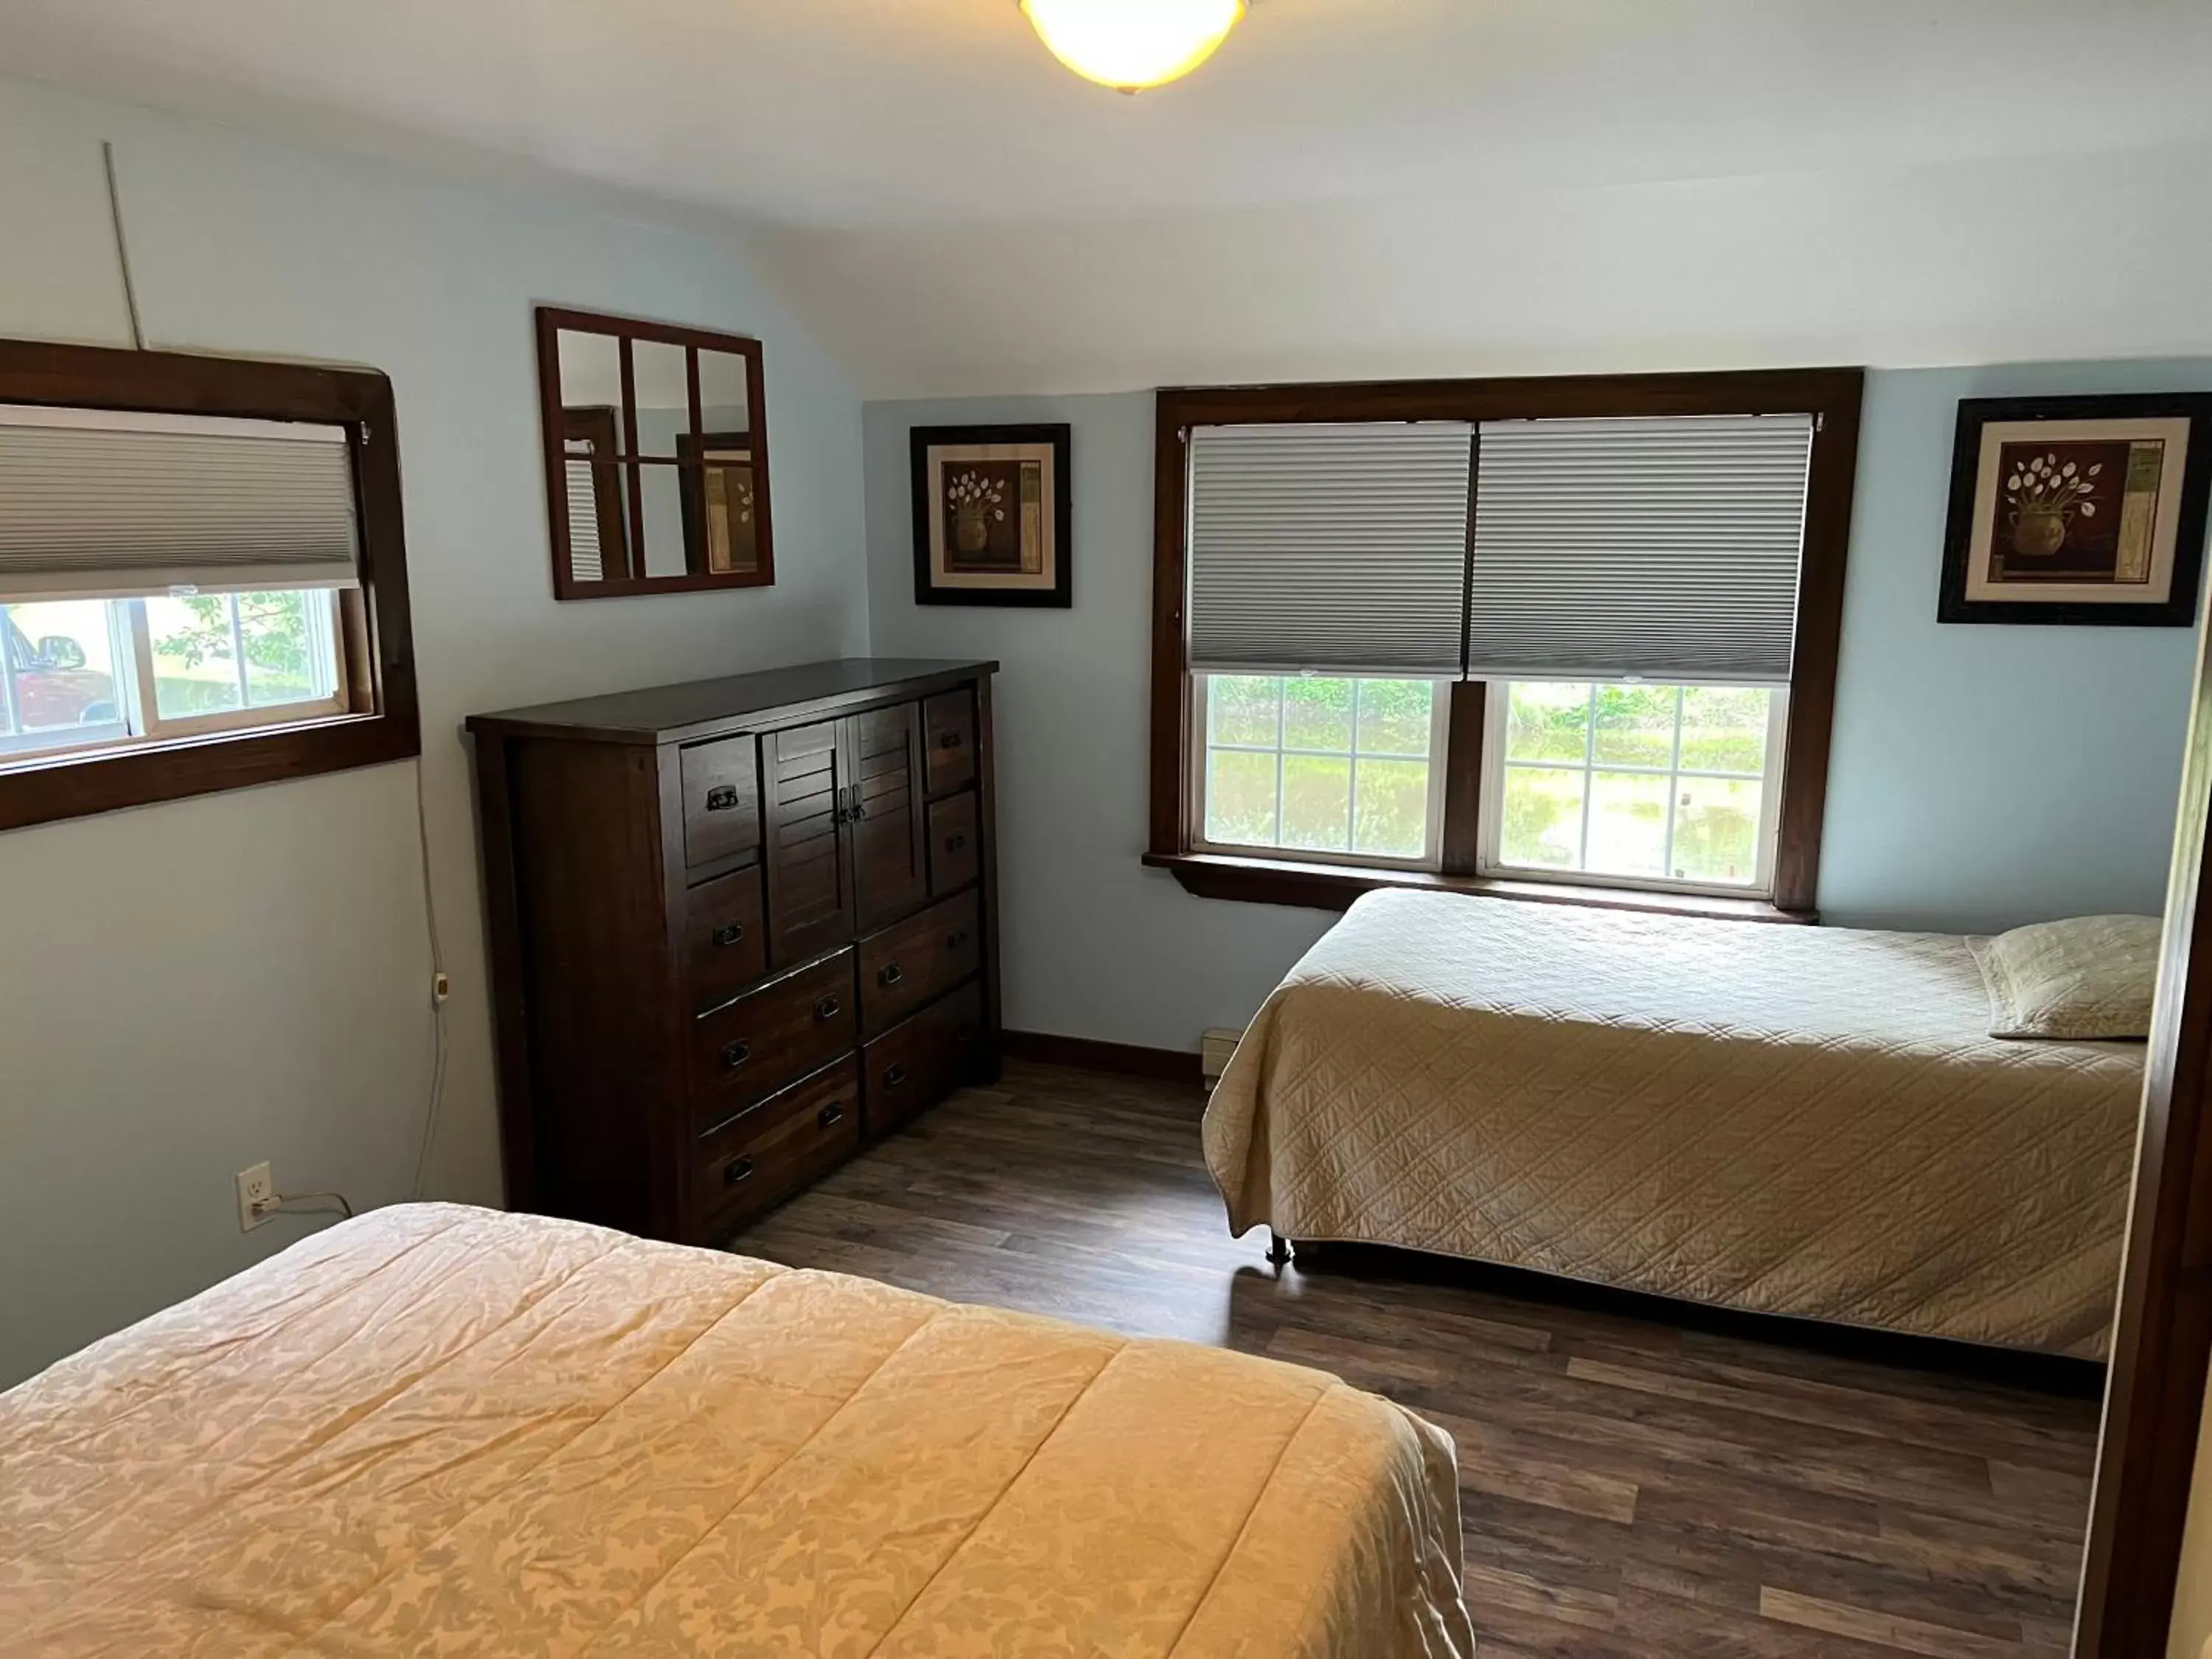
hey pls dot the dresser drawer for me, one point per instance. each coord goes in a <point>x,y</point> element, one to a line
<point>748,1050</point>
<point>952,844</point>
<point>912,1066</point>
<point>777,1148</point>
<point>724,945</point>
<point>917,961</point>
<point>948,721</point>
<point>721,801</point>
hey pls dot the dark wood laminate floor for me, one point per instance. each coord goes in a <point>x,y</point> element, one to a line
<point>1631,1486</point>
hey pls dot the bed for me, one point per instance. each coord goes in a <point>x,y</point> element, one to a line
<point>442,1429</point>
<point>1800,1120</point>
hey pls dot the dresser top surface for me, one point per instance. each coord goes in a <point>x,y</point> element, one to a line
<point>663,714</point>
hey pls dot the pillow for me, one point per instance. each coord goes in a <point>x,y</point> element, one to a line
<point>2085,978</point>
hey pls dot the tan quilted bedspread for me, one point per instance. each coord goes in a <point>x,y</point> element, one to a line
<point>1791,1120</point>
<point>438,1430</point>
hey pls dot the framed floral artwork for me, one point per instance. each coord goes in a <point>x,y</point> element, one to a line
<point>2078,510</point>
<point>993,515</point>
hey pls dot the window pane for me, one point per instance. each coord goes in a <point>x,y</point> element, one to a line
<point>1717,829</point>
<point>61,660</point>
<point>290,654</point>
<point>1394,808</point>
<point>1634,725</point>
<point>1724,728</point>
<point>1627,824</point>
<point>1317,715</point>
<point>1543,816</point>
<point>1396,717</point>
<point>1240,708</point>
<point>1317,803</point>
<point>1546,722</point>
<point>1240,798</point>
<point>195,657</point>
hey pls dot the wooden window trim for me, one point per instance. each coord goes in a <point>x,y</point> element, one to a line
<point>377,638</point>
<point>1833,395</point>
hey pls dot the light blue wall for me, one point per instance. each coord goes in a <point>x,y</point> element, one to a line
<point>1986,776</point>
<point>1981,777</point>
<point>1096,945</point>
<point>196,986</point>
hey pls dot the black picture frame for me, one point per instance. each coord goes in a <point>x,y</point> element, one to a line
<point>1060,438</point>
<point>2178,610</point>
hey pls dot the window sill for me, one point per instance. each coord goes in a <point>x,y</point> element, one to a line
<point>43,790</point>
<point>1334,886</point>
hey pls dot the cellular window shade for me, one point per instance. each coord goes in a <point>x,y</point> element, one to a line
<point>1339,547</point>
<point>101,504</point>
<point>587,563</point>
<point>1666,547</point>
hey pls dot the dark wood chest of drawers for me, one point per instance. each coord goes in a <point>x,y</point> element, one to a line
<point>739,929</point>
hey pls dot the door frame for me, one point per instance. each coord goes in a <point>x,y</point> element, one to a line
<point>2163,1336</point>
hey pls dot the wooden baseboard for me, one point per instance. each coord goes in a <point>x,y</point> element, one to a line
<point>1088,1055</point>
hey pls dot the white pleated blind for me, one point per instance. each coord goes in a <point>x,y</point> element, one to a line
<point>96,504</point>
<point>1340,548</point>
<point>1662,546</point>
<point>587,563</point>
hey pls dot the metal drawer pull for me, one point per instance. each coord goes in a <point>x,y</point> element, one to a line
<point>894,1075</point>
<point>728,934</point>
<point>737,1170</point>
<point>954,941</point>
<point>831,1114</point>
<point>954,843</point>
<point>891,975</point>
<point>828,1008</point>
<point>722,800</point>
<point>736,1055</point>
<point>950,740</point>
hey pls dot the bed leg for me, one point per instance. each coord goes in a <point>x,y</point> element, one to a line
<point>1279,1248</point>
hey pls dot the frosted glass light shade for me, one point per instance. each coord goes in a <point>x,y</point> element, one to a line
<point>1130,44</point>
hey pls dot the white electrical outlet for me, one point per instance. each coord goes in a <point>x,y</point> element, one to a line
<point>257,1197</point>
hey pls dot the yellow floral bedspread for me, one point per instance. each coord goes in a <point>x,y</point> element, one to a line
<point>440,1430</point>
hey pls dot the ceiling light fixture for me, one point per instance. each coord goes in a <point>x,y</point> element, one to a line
<point>1130,44</point>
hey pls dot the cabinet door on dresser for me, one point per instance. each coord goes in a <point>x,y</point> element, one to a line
<point>810,871</point>
<point>891,859</point>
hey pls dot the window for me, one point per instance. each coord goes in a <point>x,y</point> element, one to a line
<point>1648,786</point>
<point>202,579</point>
<point>1321,767</point>
<point>1616,601</point>
<point>90,673</point>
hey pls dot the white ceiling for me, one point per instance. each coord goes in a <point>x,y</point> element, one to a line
<point>1352,188</point>
<point>862,112</point>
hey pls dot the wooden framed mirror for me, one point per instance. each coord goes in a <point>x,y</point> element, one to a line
<point>656,457</point>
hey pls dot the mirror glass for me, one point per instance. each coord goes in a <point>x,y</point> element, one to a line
<point>723,392</point>
<point>645,492</point>
<point>664,396</point>
<point>662,496</point>
<point>720,528</point>
<point>590,371</point>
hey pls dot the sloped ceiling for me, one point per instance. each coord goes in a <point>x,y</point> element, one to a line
<point>1352,188</point>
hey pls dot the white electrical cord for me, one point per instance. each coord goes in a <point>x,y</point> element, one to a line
<point>438,981</point>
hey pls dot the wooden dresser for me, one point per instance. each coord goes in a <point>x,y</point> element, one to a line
<point>739,929</point>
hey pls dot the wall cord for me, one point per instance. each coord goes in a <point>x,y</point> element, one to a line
<point>122,247</point>
<point>438,978</point>
<point>438,981</point>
